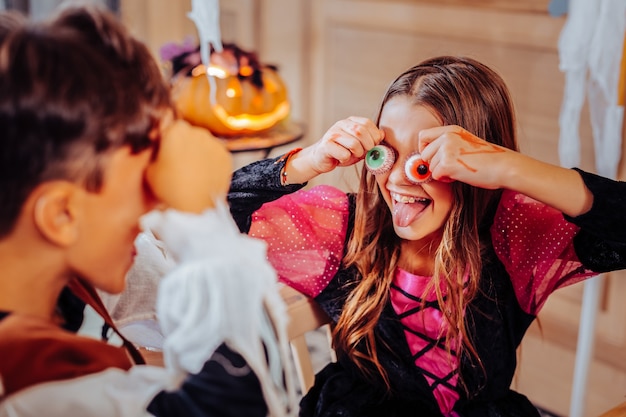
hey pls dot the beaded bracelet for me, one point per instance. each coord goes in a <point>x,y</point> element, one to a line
<point>286,157</point>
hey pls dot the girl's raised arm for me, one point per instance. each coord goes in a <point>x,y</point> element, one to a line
<point>344,144</point>
<point>455,154</point>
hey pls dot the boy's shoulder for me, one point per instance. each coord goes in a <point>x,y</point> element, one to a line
<point>34,351</point>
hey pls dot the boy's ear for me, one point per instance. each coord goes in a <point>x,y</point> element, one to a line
<point>55,213</point>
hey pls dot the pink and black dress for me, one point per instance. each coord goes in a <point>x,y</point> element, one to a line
<point>531,250</point>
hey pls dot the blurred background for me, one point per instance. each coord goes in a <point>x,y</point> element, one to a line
<point>337,57</point>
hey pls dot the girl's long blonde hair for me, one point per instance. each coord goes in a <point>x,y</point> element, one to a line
<point>463,92</point>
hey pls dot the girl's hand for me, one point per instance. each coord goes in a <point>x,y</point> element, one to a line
<point>454,154</point>
<point>192,169</point>
<point>344,144</point>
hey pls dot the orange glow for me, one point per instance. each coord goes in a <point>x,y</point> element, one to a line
<point>198,70</point>
<point>214,71</point>
<point>234,88</point>
<point>270,86</point>
<point>237,108</point>
<point>252,121</point>
<point>217,71</point>
<point>246,71</point>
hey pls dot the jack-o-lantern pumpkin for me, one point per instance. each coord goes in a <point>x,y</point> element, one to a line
<point>234,96</point>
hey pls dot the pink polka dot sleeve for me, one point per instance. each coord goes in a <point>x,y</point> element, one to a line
<point>305,233</point>
<point>535,244</point>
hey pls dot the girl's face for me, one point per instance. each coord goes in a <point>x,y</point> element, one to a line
<point>419,211</point>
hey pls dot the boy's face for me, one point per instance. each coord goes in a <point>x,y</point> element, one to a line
<point>108,221</point>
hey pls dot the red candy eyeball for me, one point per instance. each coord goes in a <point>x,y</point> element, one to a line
<point>417,170</point>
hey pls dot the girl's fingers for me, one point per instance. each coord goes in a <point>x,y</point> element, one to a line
<point>434,164</point>
<point>428,152</point>
<point>359,135</point>
<point>345,143</point>
<point>438,169</point>
<point>339,152</point>
<point>455,154</point>
<point>427,136</point>
<point>356,134</point>
<point>440,147</point>
<point>368,133</point>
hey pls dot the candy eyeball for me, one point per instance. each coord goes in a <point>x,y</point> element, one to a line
<point>379,159</point>
<point>417,170</point>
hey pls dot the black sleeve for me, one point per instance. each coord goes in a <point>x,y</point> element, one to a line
<point>252,186</point>
<point>607,217</point>
<point>601,242</point>
<point>215,392</point>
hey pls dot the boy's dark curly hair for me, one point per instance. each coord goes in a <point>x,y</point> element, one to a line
<point>72,89</point>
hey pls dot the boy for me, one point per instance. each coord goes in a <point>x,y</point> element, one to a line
<point>88,144</point>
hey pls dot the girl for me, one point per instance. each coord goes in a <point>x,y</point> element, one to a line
<point>434,270</point>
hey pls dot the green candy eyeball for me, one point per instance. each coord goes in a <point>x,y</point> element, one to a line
<point>379,159</point>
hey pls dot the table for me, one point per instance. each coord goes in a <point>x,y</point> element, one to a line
<point>283,133</point>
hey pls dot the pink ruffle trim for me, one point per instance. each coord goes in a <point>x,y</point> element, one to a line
<point>535,244</point>
<point>305,234</point>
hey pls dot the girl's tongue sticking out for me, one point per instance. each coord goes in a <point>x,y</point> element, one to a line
<point>407,209</point>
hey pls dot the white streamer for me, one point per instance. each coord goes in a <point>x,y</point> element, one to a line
<point>590,50</point>
<point>206,16</point>
<point>222,291</point>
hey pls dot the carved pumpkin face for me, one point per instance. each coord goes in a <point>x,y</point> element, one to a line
<point>240,106</point>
